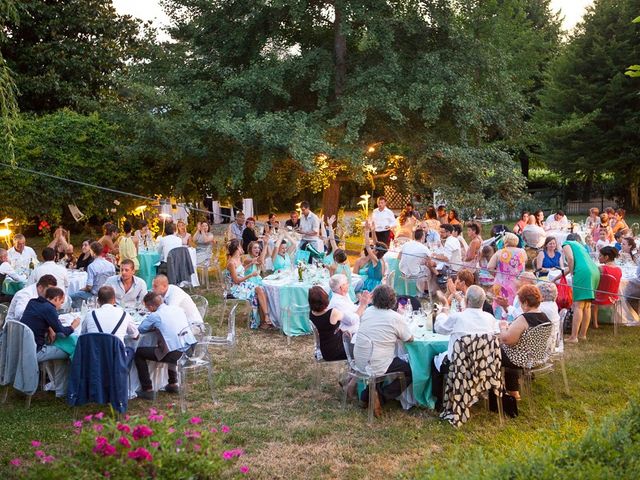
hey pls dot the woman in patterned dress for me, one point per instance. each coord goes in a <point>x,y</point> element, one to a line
<point>506,264</point>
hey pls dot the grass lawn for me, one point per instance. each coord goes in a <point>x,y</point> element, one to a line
<point>292,429</point>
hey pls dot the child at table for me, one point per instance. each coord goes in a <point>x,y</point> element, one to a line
<point>485,279</point>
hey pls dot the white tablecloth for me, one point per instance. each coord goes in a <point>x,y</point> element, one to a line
<point>77,281</point>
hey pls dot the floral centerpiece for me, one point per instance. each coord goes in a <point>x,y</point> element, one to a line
<point>156,445</point>
<point>302,267</point>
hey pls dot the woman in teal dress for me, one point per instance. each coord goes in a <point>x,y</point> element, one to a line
<point>281,255</point>
<point>254,262</point>
<point>376,267</point>
<point>586,277</point>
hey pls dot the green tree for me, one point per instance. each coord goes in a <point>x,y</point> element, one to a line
<point>8,105</point>
<point>590,109</point>
<point>64,53</point>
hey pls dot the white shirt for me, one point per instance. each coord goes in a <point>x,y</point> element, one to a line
<point>383,328</point>
<point>412,259</point>
<point>108,316</point>
<point>350,320</point>
<point>51,268</point>
<point>19,302</point>
<point>534,236</point>
<point>177,297</point>
<point>8,270</point>
<point>168,243</point>
<point>470,321</point>
<point>309,223</point>
<point>173,326</point>
<point>554,224</point>
<point>22,259</point>
<point>383,219</point>
<point>453,252</point>
<point>131,298</point>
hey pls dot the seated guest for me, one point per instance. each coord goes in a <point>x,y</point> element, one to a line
<point>21,298</point>
<point>254,261</point>
<point>50,267</point>
<point>620,224</point>
<point>60,243</point>
<point>609,285</point>
<point>412,211</point>
<point>629,252</point>
<point>97,274</point>
<point>472,320</point>
<point>109,318</point>
<point>327,322</point>
<point>376,266</point>
<point>86,257</point>
<point>549,307</point>
<point>605,224</point>
<point>282,251</point>
<point>129,289</point>
<point>20,256</point>
<point>511,311</point>
<point>128,245</point>
<point>341,265</point>
<point>549,257</point>
<point>236,228</point>
<point>41,317</point>
<point>603,239</point>
<point>532,234</point>
<point>375,345</point>
<point>414,261</point>
<point>473,250</point>
<point>593,220</point>
<point>431,220</point>
<point>457,290</point>
<point>110,233</point>
<point>485,277</point>
<point>557,221</point>
<point>168,242</point>
<point>406,225</point>
<point>452,254</point>
<point>176,297</point>
<point>457,234</point>
<point>173,327</point>
<point>442,214</point>
<point>294,221</point>
<point>340,301</point>
<point>271,226</point>
<point>519,226</point>
<point>7,271</point>
<point>510,334</point>
<point>181,232</point>
<point>143,235</point>
<point>249,233</point>
<point>453,218</point>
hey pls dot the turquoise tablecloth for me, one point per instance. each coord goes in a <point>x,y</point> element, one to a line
<point>421,353</point>
<point>291,295</point>
<point>9,287</point>
<point>148,261</point>
<point>399,284</point>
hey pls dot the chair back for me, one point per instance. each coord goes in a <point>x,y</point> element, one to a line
<point>197,351</point>
<point>302,256</point>
<point>364,347</point>
<point>202,304</point>
<point>3,313</point>
<point>390,279</point>
<point>559,340</point>
<point>231,331</point>
<point>296,311</point>
<point>348,349</point>
<point>608,288</point>
<point>531,350</point>
<point>99,372</point>
<point>317,354</point>
<point>18,358</point>
<point>179,266</point>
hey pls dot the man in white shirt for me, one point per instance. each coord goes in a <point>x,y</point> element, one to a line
<point>20,255</point>
<point>50,267</point>
<point>472,320</point>
<point>380,328</point>
<point>340,300</point>
<point>175,296</point>
<point>384,221</point>
<point>414,261</point>
<point>236,228</point>
<point>452,254</point>
<point>22,297</point>
<point>557,221</point>
<point>533,235</point>
<point>7,271</point>
<point>109,318</point>
<point>129,289</point>
<point>309,228</point>
<point>168,242</point>
<point>97,274</point>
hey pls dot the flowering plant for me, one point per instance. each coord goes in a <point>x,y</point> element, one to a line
<point>156,445</point>
<point>44,229</point>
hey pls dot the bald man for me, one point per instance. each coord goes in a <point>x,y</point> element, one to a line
<point>174,295</point>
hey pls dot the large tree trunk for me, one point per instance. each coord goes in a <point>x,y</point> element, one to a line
<point>524,163</point>
<point>331,198</point>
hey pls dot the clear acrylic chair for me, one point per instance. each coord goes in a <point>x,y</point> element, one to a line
<point>317,356</point>
<point>194,361</point>
<point>366,375</point>
<point>535,342</point>
<point>3,313</point>
<point>229,340</point>
<point>202,304</point>
<point>289,313</point>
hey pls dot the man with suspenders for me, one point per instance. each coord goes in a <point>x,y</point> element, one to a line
<point>109,318</point>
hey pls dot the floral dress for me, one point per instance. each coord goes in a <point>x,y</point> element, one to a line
<point>511,263</point>
<point>243,291</point>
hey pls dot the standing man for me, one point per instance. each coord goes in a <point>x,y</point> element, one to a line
<point>129,289</point>
<point>309,227</point>
<point>452,254</point>
<point>384,221</point>
<point>20,255</point>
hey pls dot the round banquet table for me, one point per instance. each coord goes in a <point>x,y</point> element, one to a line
<point>148,261</point>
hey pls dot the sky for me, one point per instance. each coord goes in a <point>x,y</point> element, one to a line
<point>572,10</point>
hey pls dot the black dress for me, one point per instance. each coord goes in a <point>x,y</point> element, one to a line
<point>248,236</point>
<point>331,345</point>
<point>84,262</point>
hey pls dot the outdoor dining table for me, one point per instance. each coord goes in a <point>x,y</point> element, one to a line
<point>421,353</point>
<point>149,260</point>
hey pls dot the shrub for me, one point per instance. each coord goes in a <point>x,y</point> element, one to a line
<point>158,445</point>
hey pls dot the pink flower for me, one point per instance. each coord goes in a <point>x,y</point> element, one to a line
<point>225,429</point>
<point>106,474</point>
<point>101,440</point>
<point>140,454</point>
<point>16,462</point>
<point>98,427</point>
<point>88,418</point>
<point>98,416</point>
<point>195,420</point>
<point>77,424</point>
<point>141,431</point>
<point>196,447</point>
<point>35,443</point>
<point>214,430</point>
<point>178,442</point>
<point>126,417</point>
<point>244,469</point>
<point>155,418</point>
<point>192,434</point>
<point>124,428</point>
<point>124,441</point>
<point>39,453</point>
<point>171,430</point>
<point>104,447</point>
<point>153,411</point>
<point>48,459</point>
<point>155,444</point>
<point>229,454</point>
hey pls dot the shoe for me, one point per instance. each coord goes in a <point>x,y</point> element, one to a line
<point>172,388</point>
<point>146,394</point>
<point>515,394</point>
